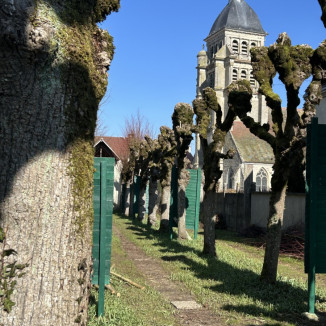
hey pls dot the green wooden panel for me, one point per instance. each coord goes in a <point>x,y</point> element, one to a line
<point>106,205</point>
<point>315,243</point>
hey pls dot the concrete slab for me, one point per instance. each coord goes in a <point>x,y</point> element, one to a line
<point>184,305</point>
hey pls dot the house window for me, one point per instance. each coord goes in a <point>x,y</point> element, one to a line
<point>252,79</point>
<point>235,46</point>
<point>234,75</point>
<point>243,74</point>
<point>244,48</point>
<point>261,180</point>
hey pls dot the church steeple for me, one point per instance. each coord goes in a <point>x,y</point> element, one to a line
<point>227,59</point>
<point>238,15</point>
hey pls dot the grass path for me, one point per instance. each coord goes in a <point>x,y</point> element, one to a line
<point>229,287</point>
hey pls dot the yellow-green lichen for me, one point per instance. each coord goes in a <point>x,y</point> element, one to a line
<point>81,171</point>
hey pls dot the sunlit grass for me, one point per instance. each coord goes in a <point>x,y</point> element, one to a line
<point>230,285</point>
<point>132,306</point>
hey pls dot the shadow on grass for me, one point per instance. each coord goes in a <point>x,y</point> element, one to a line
<point>286,302</point>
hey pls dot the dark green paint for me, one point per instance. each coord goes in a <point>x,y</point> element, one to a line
<point>315,242</point>
<point>102,231</point>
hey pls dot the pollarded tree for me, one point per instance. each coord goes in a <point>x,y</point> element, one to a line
<point>54,62</point>
<point>293,64</point>
<point>128,173</point>
<point>143,170</point>
<point>154,175</point>
<point>183,128</point>
<point>168,151</point>
<point>213,153</point>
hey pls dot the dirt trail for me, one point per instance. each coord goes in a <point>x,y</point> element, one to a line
<point>172,291</point>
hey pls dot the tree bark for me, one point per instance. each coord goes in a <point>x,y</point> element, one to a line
<point>49,62</point>
<point>274,232</point>
<point>152,202</point>
<point>127,200</point>
<point>165,208</point>
<point>183,181</point>
<point>209,224</point>
<point>131,200</point>
<point>142,204</point>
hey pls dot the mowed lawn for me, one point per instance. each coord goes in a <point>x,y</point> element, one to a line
<point>229,286</point>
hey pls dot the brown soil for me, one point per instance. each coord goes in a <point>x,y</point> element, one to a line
<point>159,279</point>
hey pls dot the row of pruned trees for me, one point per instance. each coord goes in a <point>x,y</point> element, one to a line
<point>286,135</point>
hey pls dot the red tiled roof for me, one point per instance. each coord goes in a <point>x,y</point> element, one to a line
<point>119,145</point>
<point>250,147</point>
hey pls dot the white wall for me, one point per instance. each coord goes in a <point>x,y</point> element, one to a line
<point>294,209</point>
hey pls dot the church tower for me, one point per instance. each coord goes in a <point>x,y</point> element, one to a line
<point>227,58</point>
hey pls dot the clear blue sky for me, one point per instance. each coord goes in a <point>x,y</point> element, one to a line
<point>156,51</point>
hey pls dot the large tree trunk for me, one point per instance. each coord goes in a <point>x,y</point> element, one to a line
<point>152,202</point>
<point>53,63</point>
<point>142,204</point>
<point>209,224</point>
<point>274,232</point>
<point>165,208</point>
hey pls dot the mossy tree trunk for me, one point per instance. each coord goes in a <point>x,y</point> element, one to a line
<point>167,154</point>
<point>183,128</point>
<point>126,204</point>
<point>165,207</point>
<point>294,64</point>
<point>212,158</point>
<point>53,71</point>
<point>183,181</point>
<point>152,201</point>
<point>142,203</point>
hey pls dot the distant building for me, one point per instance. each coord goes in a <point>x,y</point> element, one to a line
<point>227,59</point>
<point>118,148</point>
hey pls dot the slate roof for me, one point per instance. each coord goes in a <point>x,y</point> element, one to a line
<point>251,148</point>
<point>238,15</point>
<point>118,145</point>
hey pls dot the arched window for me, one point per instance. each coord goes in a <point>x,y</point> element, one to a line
<point>261,180</point>
<point>243,74</point>
<point>252,79</point>
<point>244,48</point>
<point>234,75</point>
<point>253,44</point>
<point>235,46</point>
<point>230,179</point>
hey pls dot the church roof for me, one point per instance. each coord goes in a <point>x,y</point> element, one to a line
<point>251,148</point>
<point>237,15</point>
